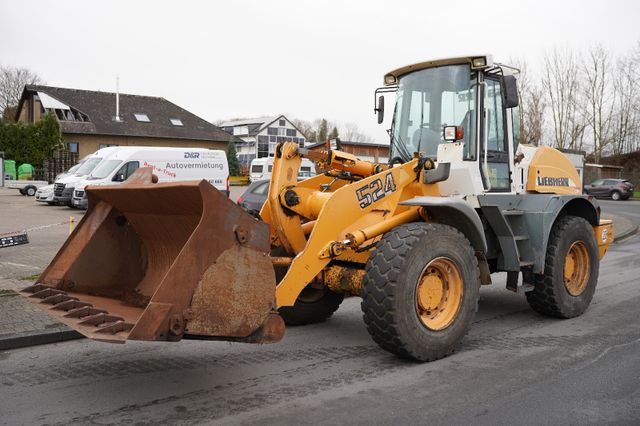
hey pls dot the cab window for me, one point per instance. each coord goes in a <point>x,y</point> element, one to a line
<point>125,171</point>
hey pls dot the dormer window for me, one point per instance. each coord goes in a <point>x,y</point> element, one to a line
<point>144,118</point>
<point>176,121</point>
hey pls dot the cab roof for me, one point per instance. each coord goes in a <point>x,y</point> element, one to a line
<point>476,62</point>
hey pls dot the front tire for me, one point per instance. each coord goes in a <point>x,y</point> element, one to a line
<point>571,270</point>
<point>313,305</point>
<point>421,291</point>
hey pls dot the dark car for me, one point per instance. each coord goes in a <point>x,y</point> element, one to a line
<point>616,189</point>
<point>254,197</point>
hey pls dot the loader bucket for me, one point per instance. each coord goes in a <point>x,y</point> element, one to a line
<point>163,261</point>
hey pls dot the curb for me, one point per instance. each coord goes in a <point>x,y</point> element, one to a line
<point>627,233</point>
<point>37,337</point>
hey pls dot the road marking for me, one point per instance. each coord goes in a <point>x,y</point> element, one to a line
<point>21,265</point>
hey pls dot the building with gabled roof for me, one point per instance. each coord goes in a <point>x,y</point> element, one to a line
<point>261,135</point>
<point>88,120</point>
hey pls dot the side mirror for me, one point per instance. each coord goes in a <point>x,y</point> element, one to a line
<point>380,109</point>
<point>119,177</point>
<point>510,90</point>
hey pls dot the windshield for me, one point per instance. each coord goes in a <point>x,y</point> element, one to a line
<point>74,168</point>
<point>428,100</point>
<point>104,169</point>
<point>88,165</point>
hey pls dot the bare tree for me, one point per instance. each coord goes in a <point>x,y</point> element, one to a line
<point>351,132</point>
<point>561,84</point>
<point>532,105</point>
<point>12,82</point>
<point>599,97</point>
<point>626,115</point>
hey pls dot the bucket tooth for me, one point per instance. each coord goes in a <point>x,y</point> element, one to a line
<point>42,294</point>
<point>99,318</point>
<point>83,312</point>
<point>57,298</point>
<point>35,288</point>
<point>114,327</point>
<point>68,305</point>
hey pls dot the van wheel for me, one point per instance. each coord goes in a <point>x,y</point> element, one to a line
<point>421,290</point>
<point>30,191</point>
<point>571,270</point>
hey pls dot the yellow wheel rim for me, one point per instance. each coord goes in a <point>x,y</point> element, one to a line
<point>439,293</point>
<point>576,268</point>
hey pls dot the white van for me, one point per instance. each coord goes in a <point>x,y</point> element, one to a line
<point>169,164</point>
<point>261,169</point>
<point>63,187</point>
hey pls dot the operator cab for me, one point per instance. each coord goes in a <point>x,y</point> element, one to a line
<point>474,96</point>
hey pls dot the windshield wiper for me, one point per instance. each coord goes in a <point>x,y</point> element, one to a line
<point>404,153</point>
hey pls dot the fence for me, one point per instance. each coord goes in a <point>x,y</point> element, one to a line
<point>61,161</point>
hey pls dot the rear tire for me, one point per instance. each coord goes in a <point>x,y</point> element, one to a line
<point>615,196</point>
<point>421,291</point>
<point>571,270</point>
<point>30,191</point>
<point>312,306</point>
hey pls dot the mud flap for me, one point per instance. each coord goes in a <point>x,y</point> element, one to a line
<point>163,261</point>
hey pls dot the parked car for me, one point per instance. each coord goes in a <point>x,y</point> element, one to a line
<point>44,194</point>
<point>254,197</point>
<point>616,189</point>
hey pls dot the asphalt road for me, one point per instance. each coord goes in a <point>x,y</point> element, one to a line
<point>629,209</point>
<point>514,367</point>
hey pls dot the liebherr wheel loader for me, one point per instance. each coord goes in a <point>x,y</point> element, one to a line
<point>461,198</point>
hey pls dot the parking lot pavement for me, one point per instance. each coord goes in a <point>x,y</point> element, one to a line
<point>21,323</point>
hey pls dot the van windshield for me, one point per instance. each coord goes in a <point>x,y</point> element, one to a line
<point>88,166</point>
<point>104,169</point>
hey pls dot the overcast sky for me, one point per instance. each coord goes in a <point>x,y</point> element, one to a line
<point>307,59</point>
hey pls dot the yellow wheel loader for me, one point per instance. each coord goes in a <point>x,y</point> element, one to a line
<point>461,198</point>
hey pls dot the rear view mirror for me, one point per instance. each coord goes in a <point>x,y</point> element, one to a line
<point>510,90</point>
<point>380,109</point>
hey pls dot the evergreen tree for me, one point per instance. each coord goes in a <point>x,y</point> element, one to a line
<point>232,158</point>
<point>31,143</point>
<point>323,131</point>
<point>334,133</point>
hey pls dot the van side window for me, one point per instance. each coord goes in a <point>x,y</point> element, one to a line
<point>125,171</point>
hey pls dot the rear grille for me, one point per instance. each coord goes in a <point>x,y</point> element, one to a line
<point>57,189</point>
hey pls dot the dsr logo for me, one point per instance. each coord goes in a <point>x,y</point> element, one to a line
<point>191,155</point>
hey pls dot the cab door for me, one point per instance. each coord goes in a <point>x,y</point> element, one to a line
<point>494,154</point>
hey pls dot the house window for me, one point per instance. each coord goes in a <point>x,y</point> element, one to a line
<point>263,146</point>
<point>291,132</point>
<point>241,130</point>
<point>272,138</point>
<point>72,146</point>
<point>176,121</point>
<point>282,123</point>
<point>272,131</point>
<point>144,118</point>
<point>282,132</point>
